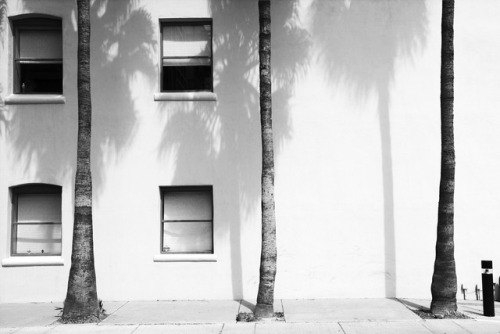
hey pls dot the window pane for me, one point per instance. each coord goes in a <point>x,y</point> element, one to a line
<point>183,78</point>
<point>38,208</point>
<point>187,205</point>
<point>187,237</point>
<point>186,62</point>
<point>40,44</point>
<point>38,239</point>
<point>187,41</point>
<point>40,78</point>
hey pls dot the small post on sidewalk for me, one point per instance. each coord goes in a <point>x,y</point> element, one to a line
<point>488,297</point>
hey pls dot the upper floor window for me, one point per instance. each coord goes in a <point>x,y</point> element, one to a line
<point>36,220</point>
<point>187,219</point>
<point>37,55</point>
<point>186,55</point>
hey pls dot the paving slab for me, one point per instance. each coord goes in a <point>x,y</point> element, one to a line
<point>31,330</point>
<point>175,312</point>
<point>180,329</point>
<point>298,328</point>
<point>239,328</point>
<point>28,314</point>
<point>112,306</point>
<point>479,326</point>
<point>7,330</point>
<point>447,326</point>
<point>93,328</point>
<point>335,310</point>
<point>471,308</point>
<point>474,309</point>
<point>384,327</point>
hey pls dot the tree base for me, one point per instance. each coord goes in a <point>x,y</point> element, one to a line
<point>264,311</point>
<point>81,320</point>
<point>444,308</point>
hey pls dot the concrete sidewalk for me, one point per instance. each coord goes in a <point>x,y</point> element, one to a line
<point>301,316</point>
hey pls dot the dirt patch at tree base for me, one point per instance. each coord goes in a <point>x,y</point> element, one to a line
<point>250,317</point>
<point>427,314</point>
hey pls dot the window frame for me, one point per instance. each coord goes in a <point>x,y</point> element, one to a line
<point>187,22</point>
<point>31,189</point>
<point>34,22</point>
<point>187,189</point>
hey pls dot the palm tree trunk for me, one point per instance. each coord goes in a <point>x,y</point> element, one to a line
<point>444,279</point>
<point>265,297</point>
<point>81,304</point>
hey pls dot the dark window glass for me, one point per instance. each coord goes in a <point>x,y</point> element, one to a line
<point>186,56</point>
<point>40,78</point>
<point>38,56</point>
<point>184,78</point>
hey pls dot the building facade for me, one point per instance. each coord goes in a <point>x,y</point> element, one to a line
<point>176,150</point>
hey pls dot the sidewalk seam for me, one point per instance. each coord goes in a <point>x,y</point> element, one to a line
<point>114,311</point>
<point>458,324</point>
<point>135,329</point>
<point>283,308</point>
<point>342,328</point>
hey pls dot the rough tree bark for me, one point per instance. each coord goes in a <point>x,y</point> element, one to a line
<point>444,279</point>
<point>265,297</point>
<point>82,304</point>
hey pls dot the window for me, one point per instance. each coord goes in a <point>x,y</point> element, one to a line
<point>186,60</point>
<point>187,219</point>
<point>37,55</point>
<point>36,220</point>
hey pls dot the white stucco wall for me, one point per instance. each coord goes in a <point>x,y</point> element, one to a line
<point>357,145</point>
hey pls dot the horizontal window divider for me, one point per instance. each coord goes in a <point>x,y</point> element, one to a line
<point>38,60</point>
<point>186,57</point>
<point>188,221</point>
<point>36,223</point>
<point>185,96</point>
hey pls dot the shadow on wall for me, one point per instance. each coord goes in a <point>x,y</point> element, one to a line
<point>122,44</point>
<point>42,138</point>
<point>3,18</point>
<point>359,42</point>
<point>221,141</point>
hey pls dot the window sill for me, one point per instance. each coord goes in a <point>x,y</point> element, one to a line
<point>186,96</point>
<point>26,261</point>
<point>35,99</point>
<point>185,258</point>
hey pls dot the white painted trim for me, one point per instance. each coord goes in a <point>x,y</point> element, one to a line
<point>25,261</point>
<point>35,99</point>
<point>185,96</point>
<point>185,258</point>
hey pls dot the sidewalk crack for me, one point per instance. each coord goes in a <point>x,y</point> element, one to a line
<point>283,308</point>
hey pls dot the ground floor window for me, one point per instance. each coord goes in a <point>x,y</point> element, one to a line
<point>187,219</point>
<point>36,220</point>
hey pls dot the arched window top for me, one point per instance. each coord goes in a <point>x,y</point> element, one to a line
<point>34,18</point>
<point>36,188</point>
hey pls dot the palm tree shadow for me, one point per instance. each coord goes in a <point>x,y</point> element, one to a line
<point>3,17</point>
<point>122,45</point>
<point>219,142</point>
<point>359,50</point>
